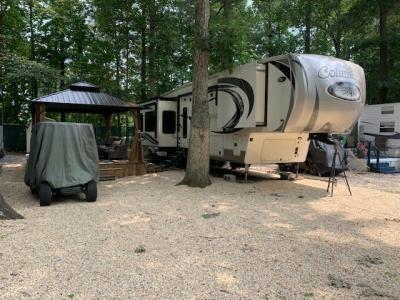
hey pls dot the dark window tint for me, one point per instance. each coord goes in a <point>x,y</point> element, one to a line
<point>387,110</point>
<point>150,121</point>
<point>386,126</point>
<point>184,123</point>
<point>168,121</point>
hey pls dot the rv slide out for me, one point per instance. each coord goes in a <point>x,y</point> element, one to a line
<point>262,112</point>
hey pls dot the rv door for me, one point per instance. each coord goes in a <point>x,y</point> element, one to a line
<point>185,104</point>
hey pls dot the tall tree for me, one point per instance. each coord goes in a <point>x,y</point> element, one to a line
<point>32,46</point>
<point>383,51</point>
<point>307,32</point>
<point>197,169</point>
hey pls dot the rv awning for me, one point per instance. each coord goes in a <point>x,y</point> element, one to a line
<point>84,97</point>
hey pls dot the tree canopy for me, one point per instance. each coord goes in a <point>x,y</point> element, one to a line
<point>136,49</point>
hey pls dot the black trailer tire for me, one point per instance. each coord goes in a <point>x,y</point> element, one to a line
<point>45,194</point>
<point>91,191</point>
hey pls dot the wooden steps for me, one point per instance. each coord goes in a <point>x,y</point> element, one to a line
<point>113,169</point>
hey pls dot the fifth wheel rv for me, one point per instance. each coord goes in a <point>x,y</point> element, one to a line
<point>262,112</point>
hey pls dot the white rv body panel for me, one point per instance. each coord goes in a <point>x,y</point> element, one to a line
<point>166,138</point>
<point>263,112</point>
<point>381,119</point>
<point>154,134</point>
<point>276,148</point>
<point>373,116</point>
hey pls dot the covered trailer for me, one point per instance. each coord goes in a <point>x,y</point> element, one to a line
<point>262,112</point>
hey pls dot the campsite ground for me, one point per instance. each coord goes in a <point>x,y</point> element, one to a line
<point>145,237</point>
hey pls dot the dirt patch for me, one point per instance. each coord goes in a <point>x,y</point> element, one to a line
<point>210,215</point>
<point>369,261</point>
<point>266,243</point>
<point>368,291</point>
<point>338,282</point>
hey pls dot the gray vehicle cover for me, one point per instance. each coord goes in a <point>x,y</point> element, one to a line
<point>62,154</point>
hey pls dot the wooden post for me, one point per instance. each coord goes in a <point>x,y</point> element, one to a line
<point>107,136</point>
<point>40,113</point>
<point>136,159</point>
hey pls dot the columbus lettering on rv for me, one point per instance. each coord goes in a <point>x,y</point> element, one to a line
<point>326,72</point>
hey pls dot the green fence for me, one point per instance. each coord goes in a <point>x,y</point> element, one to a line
<point>14,137</point>
<point>100,132</point>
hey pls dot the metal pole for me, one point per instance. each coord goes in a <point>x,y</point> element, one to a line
<point>344,174</point>
<point>334,171</point>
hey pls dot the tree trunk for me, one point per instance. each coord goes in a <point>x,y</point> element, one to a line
<point>337,38</point>
<point>34,84</point>
<point>197,170</point>
<point>228,55</point>
<point>143,57</point>
<point>127,59</point>
<point>307,34</point>
<point>117,57</point>
<point>383,52</point>
<point>152,79</point>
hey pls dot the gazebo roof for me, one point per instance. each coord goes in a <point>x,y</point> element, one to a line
<point>84,97</point>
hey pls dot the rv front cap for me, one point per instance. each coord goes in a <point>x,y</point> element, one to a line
<point>326,72</point>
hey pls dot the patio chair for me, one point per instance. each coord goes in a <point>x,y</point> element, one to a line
<point>118,150</point>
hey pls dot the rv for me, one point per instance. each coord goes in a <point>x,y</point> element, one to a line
<point>261,112</point>
<point>381,120</point>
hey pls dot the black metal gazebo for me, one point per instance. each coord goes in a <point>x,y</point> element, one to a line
<point>84,97</point>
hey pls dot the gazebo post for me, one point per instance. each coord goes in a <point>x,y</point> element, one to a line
<point>107,136</point>
<point>136,159</point>
<point>40,112</point>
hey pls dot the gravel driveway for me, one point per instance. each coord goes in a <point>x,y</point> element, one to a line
<point>146,238</point>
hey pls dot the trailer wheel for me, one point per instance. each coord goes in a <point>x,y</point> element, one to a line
<point>91,191</point>
<point>45,194</point>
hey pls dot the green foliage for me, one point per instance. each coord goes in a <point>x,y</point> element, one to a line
<point>17,69</point>
<point>139,49</point>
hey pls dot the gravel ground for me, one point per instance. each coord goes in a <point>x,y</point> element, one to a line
<point>146,238</point>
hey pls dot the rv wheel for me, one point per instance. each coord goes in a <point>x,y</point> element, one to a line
<point>91,191</point>
<point>45,194</point>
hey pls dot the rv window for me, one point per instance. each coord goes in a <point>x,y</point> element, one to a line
<point>387,110</point>
<point>184,123</point>
<point>150,121</point>
<point>386,127</point>
<point>168,121</point>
